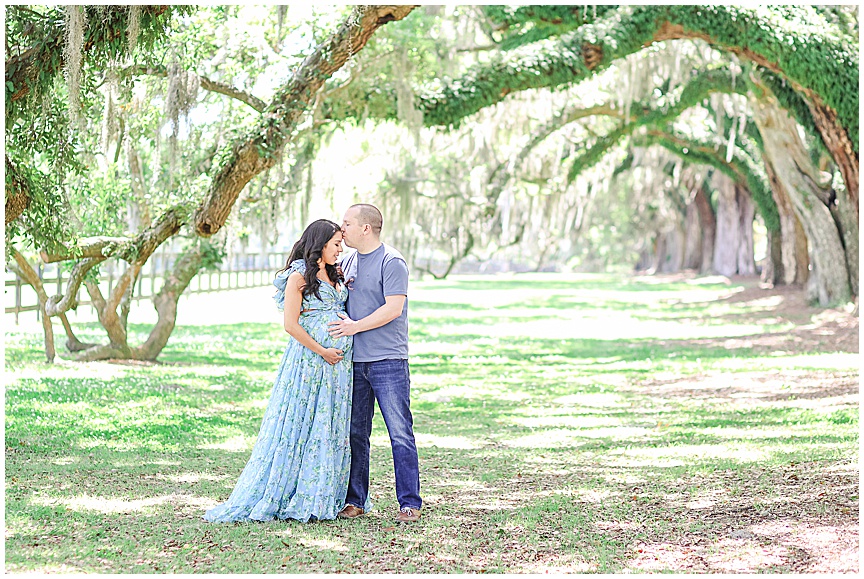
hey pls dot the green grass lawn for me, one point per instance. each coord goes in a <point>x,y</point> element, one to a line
<point>581,423</point>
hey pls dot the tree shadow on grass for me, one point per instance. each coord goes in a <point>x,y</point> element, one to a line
<point>495,507</point>
<point>545,454</point>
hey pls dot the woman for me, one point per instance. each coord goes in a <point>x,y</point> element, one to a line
<point>300,463</point>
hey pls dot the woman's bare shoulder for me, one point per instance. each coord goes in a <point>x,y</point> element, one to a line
<point>297,280</point>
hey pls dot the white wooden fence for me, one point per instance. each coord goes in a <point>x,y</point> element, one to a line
<point>236,272</point>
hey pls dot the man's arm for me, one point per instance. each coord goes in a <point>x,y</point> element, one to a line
<point>391,310</point>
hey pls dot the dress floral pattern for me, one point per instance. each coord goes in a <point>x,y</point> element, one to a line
<point>300,463</point>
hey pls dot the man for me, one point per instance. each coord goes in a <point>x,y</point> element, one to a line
<point>377,278</point>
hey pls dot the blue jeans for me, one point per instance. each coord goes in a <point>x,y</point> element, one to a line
<point>389,382</point>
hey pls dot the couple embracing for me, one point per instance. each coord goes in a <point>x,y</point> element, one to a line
<point>349,347</point>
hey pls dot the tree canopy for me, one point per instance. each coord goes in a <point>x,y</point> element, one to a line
<point>577,136</point>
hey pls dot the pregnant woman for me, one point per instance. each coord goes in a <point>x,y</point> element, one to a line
<point>300,463</point>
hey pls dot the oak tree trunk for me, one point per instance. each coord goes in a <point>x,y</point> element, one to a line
<point>839,203</point>
<point>692,238</point>
<point>733,246</point>
<point>829,281</point>
<point>746,260</point>
<point>165,302</point>
<point>659,252</point>
<point>772,270</point>
<point>725,260</point>
<point>708,224</point>
<point>789,249</point>
<point>840,146</point>
<point>673,250</point>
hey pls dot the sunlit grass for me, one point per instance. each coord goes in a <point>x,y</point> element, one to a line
<point>581,423</point>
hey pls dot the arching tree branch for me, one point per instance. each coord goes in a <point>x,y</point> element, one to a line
<point>206,84</point>
<point>258,151</point>
<point>824,70</point>
<point>135,250</point>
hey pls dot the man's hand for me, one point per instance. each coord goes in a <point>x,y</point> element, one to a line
<point>344,327</point>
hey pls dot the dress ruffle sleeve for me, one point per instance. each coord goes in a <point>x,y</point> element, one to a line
<point>282,280</point>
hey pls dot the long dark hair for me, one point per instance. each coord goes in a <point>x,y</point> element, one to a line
<point>309,248</point>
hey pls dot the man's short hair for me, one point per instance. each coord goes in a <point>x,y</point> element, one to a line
<point>369,214</point>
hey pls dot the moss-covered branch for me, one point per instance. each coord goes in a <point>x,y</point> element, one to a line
<point>257,151</point>
<point>695,91</point>
<point>794,42</point>
<point>206,84</point>
<point>134,250</point>
<point>525,24</point>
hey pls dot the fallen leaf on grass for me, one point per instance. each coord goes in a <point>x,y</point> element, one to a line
<point>386,529</point>
<point>411,546</point>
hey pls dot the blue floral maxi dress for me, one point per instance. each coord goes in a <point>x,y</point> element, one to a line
<point>300,463</point>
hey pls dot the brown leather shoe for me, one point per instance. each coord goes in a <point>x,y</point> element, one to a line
<point>408,515</point>
<point>350,512</point>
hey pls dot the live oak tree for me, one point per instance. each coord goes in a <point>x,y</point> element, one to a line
<point>806,53</point>
<point>104,47</point>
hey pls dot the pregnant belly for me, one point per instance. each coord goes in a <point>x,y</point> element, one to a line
<point>316,325</point>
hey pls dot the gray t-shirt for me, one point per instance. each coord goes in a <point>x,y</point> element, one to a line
<point>370,278</point>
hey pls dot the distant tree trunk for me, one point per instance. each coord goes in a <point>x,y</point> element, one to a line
<point>137,209</point>
<point>725,260</point>
<point>646,255</point>
<point>673,250</point>
<point>659,253</point>
<point>746,260</point>
<point>789,245</point>
<point>830,280</point>
<point>708,224</point>
<point>692,238</point>
<point>733,248</point>
<point>772,270</point>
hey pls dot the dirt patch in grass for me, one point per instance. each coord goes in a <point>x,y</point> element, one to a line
<point>816,329</point>
<point>809,522</point>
